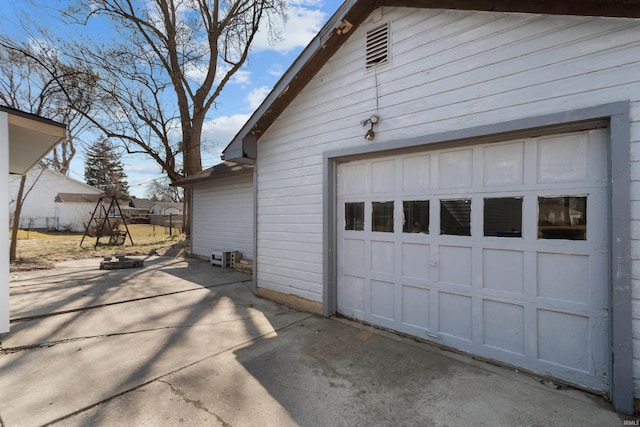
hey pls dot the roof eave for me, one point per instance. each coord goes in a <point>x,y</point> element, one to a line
<point>190,181</point>
<point>332,35</point>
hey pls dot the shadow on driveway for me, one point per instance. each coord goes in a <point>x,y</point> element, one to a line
<point>181,342</point>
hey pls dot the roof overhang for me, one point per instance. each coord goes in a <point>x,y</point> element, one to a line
<point>352,13</point>
<point>31,137</point>
<point>219,171</point>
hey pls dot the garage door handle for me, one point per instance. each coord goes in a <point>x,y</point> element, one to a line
<point>434,263</point>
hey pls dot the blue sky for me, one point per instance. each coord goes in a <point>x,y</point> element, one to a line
<point>266,64</point>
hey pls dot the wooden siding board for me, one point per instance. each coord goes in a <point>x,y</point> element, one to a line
<point>289,277</point>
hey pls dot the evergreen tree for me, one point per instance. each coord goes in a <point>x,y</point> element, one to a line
<point>103,169</point>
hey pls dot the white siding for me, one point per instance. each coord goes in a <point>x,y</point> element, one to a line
<point>39,208</point>
<point>448,70</point>
<point>223,216</point>
<point>73,216</point>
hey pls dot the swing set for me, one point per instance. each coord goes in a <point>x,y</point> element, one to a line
<point>105,223</point>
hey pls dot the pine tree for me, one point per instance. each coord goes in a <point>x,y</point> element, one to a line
<point>103,169</point>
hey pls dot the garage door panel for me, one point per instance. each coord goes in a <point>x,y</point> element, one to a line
<point>503,164</point>
<point>415,260</point>
<point>563,277</point>
<point>383,299</point>
<point>415,307</point>
<point>455,169</point>
<point>455,315</point>
<point>503,270</point>
<point>351,294</point>
<point>354,255</point>
<point>563,158</point>
<point>503,326</point>
<point>484,273</point>
<point>353,179</point>
<point>455,265</point>
<point>383,176</point>
<point>563,338</point>
<point>416,173</point>
<point>382,257</point>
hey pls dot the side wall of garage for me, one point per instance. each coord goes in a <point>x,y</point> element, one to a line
<point>223,216</point>
<point>448,70</point>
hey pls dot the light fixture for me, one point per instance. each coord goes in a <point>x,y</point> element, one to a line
<point>371,121</point>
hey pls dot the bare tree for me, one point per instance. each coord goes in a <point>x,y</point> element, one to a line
<point>19,201</point>
<point>27,84</point>
<point>161,190</point>
<point>165,69</point>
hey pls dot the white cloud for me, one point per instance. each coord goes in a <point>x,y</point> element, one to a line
<point>142,168</point>
<point>256,96</point>
<point>241,77</point>
<point>304,21</point>
<point>275,70</point>
<point>218,133</point>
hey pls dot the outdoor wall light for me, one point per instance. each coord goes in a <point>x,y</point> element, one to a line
<point>371,121</point>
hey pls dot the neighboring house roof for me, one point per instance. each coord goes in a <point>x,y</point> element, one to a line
<point>61,176</point>
<point>31,138</point>
<point>352,13</point>
<point>221,170</point>
<point>140,203</point>
<point>167,205</point>
<point>77,198</point>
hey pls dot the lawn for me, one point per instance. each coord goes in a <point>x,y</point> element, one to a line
<point>41,249</point>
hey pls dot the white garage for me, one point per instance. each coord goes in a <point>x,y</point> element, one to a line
<point>463,172</point>
<point>222,209</point>
<point>498,249</point>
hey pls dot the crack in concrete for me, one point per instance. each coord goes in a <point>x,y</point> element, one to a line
<point>47,344</point>
<point>75,310</point>
<point>160,377</point>
<point>196,403</point>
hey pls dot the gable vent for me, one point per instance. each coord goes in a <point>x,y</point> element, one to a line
<point>377,46</point>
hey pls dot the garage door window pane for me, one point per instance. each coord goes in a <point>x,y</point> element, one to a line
<point>455,217</point>
<point>354,216</point>
<point>503,217</point>
<point>382,217</point>
<point>562,217</point>
<point>416,216</point>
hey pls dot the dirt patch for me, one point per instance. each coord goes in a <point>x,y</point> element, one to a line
<point>177,250</point>
<point>29,264</point>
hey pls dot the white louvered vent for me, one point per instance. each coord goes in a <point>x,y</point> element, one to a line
<point>377,46</point>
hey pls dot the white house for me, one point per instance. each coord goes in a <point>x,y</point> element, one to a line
<point>41,210</point>
<point>74,210</point>
<point>222,209</point>
<point>165,208</point>
<point>24,140</point>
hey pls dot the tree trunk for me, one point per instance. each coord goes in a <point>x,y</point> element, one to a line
<point>16,221</point>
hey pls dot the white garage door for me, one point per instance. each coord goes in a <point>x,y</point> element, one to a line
<point>499,249</point>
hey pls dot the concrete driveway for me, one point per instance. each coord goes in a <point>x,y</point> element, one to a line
<point>179,342</point>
